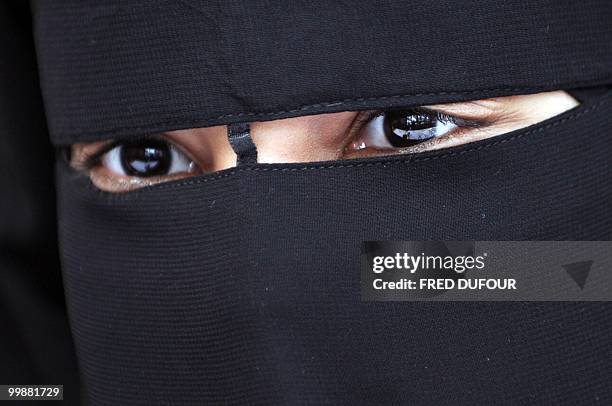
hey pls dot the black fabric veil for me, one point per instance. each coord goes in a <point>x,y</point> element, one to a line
<point>35,341</point>
<point>242,286</point>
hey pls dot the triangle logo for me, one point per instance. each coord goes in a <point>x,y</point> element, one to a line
<point>579,271</point>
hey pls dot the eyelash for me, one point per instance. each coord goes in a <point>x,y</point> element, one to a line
<point>91,161</point>
<point>368,116</point>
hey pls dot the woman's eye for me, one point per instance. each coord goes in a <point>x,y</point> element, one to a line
<point>146,158</point>
<point>402,129</point>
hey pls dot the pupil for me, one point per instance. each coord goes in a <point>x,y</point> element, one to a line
<point>404,129</point>
<point>146,158</point>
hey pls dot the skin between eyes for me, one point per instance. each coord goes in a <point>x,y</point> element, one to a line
<point>328,137</point>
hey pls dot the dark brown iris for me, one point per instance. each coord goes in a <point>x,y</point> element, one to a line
<point>146,158</point>
<point>407,128</point>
